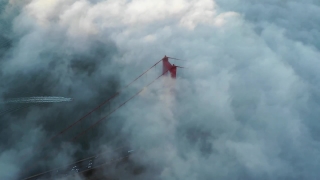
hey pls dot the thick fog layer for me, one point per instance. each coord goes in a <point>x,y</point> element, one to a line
<point>246,106</point>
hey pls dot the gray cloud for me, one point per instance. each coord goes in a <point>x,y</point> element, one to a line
<point>37,62</point>
<point>246,107</point>
<point>297,22</point>
<point>300,24</point>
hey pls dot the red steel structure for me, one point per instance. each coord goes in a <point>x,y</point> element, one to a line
<point>167,67</point>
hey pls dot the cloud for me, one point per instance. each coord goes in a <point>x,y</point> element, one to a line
<point>246,107</point>
<point>42,61</point>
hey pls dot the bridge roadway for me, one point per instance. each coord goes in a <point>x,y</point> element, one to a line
<point>83,166</point>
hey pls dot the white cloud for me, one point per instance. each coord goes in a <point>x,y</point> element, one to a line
<point>241,108</point>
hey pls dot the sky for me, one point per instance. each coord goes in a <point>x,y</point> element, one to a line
<point>245,107</point>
